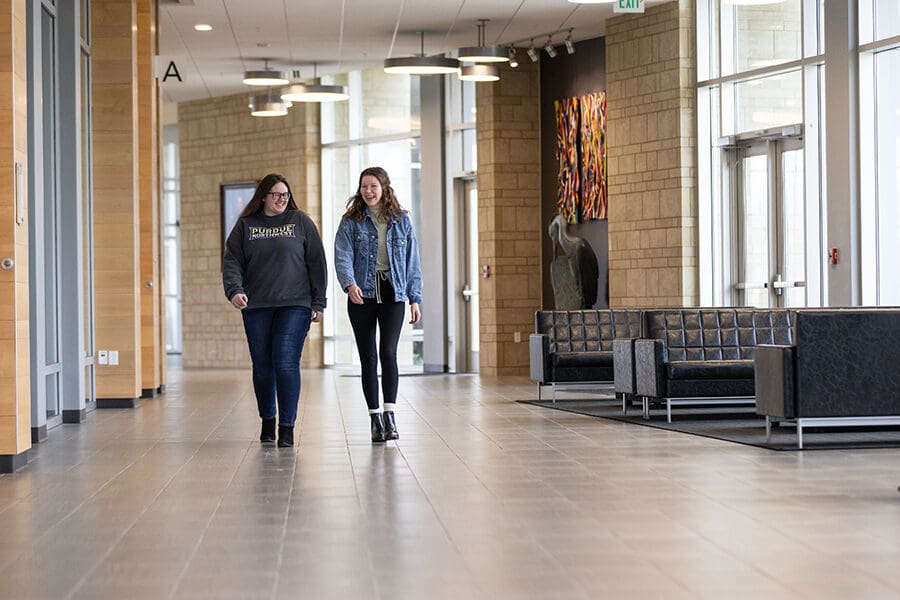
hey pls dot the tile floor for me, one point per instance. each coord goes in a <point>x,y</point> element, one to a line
<point>482,497</point>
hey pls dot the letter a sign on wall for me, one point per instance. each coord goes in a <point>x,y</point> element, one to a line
<point>628,6</point>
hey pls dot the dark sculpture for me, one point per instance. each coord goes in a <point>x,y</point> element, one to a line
<point>574,275</point>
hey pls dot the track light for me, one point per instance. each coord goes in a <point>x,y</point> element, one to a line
<point>532,53</point>
<point>513,61</point>
<point>570,45</point>
<point>551,51</point>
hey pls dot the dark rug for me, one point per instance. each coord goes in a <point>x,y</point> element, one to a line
<point>740,425</point>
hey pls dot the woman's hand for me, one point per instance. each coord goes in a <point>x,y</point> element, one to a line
<point>239,301</point>
<point>414,313</point>
<point>316,316</point>
<point>355,293</point>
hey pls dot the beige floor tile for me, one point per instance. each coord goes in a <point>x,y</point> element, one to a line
<point>482,497</point>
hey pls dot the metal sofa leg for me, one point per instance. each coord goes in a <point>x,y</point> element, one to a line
<point>800,434</point>
<point>539,391</point>
<point>668,410</point>
<point>645,404</point>
<point>768,429</point>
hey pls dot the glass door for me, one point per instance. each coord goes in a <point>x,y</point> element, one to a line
<point>465,348</point>
<point>770,222</point>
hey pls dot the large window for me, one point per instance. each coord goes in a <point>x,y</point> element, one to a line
<point>759,70</point>
<point>378,126</point>
<point>880,150</point>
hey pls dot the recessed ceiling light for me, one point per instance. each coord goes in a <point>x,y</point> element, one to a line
<point>203,27</point>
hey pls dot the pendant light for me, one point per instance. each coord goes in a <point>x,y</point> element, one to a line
<point>264,77</point>
<point>267,105</point>
<point>313,92</point>
<point>482,52</point>
<point>479,73</point>
<point>421,64</point>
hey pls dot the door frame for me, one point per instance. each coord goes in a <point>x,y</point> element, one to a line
<point>772,143</point>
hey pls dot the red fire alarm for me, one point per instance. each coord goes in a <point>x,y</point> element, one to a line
<point>833,256</point>
<point>485,271</point>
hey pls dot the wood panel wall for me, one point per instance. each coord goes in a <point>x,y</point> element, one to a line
<point>148,178</point>
<point>15,377</point>
<point>116,207</point>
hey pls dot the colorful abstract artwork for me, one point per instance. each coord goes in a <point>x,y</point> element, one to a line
<point>581,156</point>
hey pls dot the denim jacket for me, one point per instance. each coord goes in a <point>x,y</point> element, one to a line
<point>356,248</point>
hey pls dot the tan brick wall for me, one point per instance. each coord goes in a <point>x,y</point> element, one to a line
<point>650,75</point>
<point>219,142</point>
<point>509,217</point>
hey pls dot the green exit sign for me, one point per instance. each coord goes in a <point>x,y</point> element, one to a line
<point>628,6</point>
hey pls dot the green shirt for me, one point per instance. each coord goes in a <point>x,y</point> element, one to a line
<point>381,260</point>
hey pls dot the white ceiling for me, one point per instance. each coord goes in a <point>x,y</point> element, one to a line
<point>340,35</point>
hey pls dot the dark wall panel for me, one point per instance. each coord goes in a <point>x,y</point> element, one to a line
<point>564,77</point>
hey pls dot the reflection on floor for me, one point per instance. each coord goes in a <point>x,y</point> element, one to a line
<point>482,497</point>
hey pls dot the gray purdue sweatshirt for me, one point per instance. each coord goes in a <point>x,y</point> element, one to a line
<point>276,261</point>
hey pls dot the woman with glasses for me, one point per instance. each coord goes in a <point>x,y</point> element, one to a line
<point>274,272</point>
<point>376,258</point>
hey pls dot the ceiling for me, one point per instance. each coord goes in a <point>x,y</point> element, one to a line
<point>342,35</point>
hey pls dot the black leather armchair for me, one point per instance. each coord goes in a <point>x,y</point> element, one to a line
<point>704,356</point>
<point>574,347</point>
<point>842,370</point>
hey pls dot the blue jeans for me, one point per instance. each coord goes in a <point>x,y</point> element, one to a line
<point>275,337</point>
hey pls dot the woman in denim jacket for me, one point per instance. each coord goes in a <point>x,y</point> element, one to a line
<point>376,258</point>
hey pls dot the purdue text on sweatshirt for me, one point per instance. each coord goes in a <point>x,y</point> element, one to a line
<point>276,261</point>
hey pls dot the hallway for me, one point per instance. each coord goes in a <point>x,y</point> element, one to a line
<point>481,497</point>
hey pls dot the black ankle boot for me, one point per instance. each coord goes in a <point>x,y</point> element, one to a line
<point>390,426</point>
<point>267,434</point>
<point>377,428</point>
<point>285,436</point>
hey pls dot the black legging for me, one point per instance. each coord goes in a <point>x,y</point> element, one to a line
<point>388,316</point>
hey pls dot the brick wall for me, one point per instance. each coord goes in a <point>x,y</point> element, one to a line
<point>650,75</point>
<point>220,143</point>
<point>509,217</point>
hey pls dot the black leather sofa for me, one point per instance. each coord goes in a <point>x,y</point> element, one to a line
<point>843,369</point>
<point>703,356</point>
<point>574,347</point>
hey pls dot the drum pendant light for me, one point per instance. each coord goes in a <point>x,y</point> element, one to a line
<point>313,92</point>
<point>267,105</point>
<point>482,52</point>
<point>266,77</point>
<point>421,64</point>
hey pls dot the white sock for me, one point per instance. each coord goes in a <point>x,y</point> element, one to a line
<point>374,411</point>
<point>389,406</point>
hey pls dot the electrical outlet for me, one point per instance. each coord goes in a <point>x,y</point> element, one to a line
<point>102,357</point>
<point>113,357</point>
<point>517,337</point>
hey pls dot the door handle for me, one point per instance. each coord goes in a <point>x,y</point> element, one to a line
<point>467,293</point>
<point>780,285</point>
<point>749,285</point>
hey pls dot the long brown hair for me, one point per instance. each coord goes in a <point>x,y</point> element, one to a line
<point>390,208</point>
<point>265,185</point>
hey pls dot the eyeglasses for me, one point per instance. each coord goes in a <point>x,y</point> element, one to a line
<point>280,195</point>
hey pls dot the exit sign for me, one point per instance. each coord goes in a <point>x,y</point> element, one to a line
<point>628,6</point>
